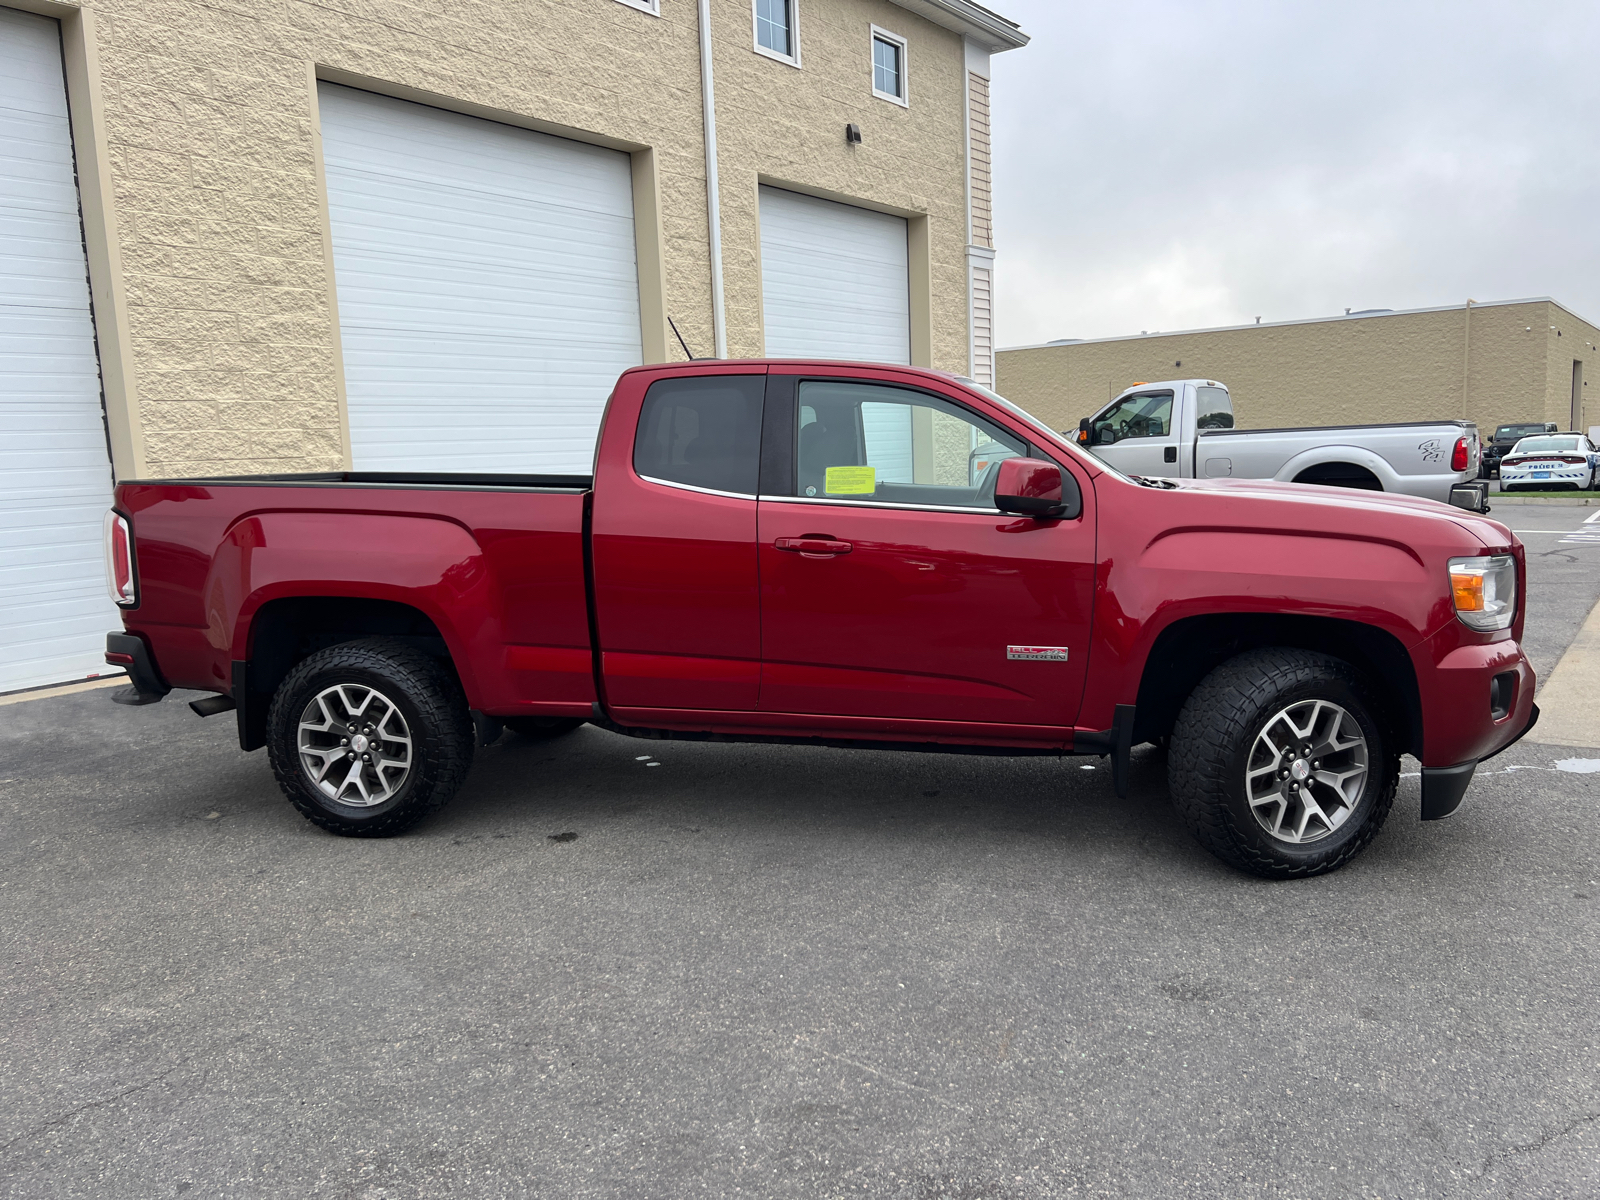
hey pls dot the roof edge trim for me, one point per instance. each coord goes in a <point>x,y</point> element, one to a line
<point>988,29</point>
<point>1374,316</point>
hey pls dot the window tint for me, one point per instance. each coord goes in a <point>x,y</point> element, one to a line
<point>1144,415</point>
<point>1213,408</point>
<point>774,28</point>
<point>704,432</point>
<point>858,441</point>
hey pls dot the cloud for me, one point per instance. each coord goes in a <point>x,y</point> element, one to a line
<point>1180,165</point>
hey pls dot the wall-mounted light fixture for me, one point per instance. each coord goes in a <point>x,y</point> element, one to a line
<point>852,134</point>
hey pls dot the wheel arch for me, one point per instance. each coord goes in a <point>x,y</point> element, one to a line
<point>1190,648</point>
<point>1339,460</point>
<point>285,631</point>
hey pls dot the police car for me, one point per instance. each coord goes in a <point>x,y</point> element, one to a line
<point>1551,460</point>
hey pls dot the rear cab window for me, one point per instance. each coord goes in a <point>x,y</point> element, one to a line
<point>702,432</point>
<point>1213,408</point>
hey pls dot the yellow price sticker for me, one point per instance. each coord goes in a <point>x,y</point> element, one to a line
<point>850,481</point>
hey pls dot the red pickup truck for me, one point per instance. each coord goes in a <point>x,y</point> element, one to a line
<point>838,554</point>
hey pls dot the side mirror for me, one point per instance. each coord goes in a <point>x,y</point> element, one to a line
<point>1029,487</point>
<point>1083,431</point>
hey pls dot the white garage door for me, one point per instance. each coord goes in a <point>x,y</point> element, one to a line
<point>834,280</point>
<point>55,475</point>
<point>488,289</point>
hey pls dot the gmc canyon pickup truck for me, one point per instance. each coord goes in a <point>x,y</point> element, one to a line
<point>801,552</point>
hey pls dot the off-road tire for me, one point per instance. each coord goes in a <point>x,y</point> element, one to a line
<point>429,698</point>
<point>541,728</point>
<point>1212,741</point>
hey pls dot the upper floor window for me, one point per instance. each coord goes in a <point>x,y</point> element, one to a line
<point>653,7</point>
<point>777,34</point>
<point>888,65</point>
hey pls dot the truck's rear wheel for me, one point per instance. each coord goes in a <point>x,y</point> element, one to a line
<point>1278,765</point>
<point>368,737</point>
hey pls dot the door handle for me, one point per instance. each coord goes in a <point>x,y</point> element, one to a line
<point>1169,454</point>
<point>813,545</point>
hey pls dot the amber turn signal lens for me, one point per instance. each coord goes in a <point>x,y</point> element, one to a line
<point>1468,589</point>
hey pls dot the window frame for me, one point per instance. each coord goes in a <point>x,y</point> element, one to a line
<point>653,7</point>
<point>792,60</point>
<point>879,34</point>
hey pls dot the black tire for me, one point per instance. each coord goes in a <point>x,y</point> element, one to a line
<point>1218,730</point>
<point>433,712</point>
<point>541,728</point>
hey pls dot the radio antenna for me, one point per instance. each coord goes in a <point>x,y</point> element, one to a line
<point>681,342</point>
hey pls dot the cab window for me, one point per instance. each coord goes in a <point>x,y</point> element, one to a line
<point>862,441</point>
<point>704,432</point>
<point>1213,408</point>
<point>1142,415</point>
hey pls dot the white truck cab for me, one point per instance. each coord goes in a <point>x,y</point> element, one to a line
<point>1184,429</point>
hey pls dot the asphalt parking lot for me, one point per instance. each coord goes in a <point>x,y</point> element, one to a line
<point>774,971</point>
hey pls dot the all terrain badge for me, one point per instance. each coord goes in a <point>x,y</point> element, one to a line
<point>1037,653</point>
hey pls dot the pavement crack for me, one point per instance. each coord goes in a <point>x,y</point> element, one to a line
<point>85,1107</point>
<point>1540,1143</point>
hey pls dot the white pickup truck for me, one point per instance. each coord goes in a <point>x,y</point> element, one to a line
<point>1184,429</point>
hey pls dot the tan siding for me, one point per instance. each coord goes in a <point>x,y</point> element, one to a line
<point>983,325</point>
<point>978,148</point>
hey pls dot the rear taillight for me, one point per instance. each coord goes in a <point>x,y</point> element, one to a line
<point>1458,457</point>
<point>119,561</point>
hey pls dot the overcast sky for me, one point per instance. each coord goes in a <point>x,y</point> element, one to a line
<point>1177,165</point>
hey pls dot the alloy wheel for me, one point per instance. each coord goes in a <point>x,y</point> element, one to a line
<point>354,745</point>
<point>1306,771</point>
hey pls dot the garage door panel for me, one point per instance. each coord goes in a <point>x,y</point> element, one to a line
<point>834,280</point>
<point>487,285</point>
<point>55,480</point>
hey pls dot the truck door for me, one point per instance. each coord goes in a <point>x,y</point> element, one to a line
<point>891,585</point>
<point>673,536</point>
<point>1138,434</point>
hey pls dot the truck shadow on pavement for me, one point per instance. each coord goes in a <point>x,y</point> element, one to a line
<point>593,783</point>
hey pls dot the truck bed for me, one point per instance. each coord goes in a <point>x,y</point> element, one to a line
<point>491,564</point>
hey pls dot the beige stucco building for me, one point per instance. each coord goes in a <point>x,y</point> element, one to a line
<point>1492,363</point>
<point>278,235</point>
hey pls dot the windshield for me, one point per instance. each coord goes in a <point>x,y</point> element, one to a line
<point>1544,445</point>
<point>1510,433</point>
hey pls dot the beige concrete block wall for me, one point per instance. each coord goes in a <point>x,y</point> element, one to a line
<point>1508,365</point>
<point>1569,339</point>
<point>773,127</point>
<point>208,117</point>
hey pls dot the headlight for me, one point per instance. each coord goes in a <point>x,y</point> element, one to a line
<point>1485,591</point>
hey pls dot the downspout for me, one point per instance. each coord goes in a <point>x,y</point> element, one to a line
<point>1466,355</point>
<point>708,100</point>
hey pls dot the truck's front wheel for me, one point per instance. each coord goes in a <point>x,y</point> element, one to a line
<point>1278,765</point>
<point>368,737</point>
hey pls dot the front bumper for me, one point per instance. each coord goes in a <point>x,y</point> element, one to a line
<point>1443,788</point>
